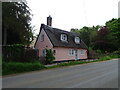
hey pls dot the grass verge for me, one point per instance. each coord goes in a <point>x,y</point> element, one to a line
<point>19,67</point>
<point>82,62</point>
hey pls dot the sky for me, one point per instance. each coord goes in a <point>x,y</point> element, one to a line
<point>67,14</point>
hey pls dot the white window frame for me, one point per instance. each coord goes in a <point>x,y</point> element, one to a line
<point>71,52</point>
<point>77,40</point>
<point>63,37</point>
<point>82,52</point>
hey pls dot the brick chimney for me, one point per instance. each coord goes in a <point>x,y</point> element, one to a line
<point>49,21</point>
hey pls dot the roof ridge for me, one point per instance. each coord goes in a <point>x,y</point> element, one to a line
<point>49,27</point>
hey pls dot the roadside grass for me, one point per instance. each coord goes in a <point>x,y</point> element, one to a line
<point>68,64</point>
<point>105,58</point>
<point>19,67</point>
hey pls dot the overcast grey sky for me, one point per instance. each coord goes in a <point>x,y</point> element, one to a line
<point>67,14</point>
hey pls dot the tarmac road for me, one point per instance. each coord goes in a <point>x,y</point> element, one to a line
<point>92,75</point>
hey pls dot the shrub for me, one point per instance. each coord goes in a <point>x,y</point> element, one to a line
<point>49,56</point>
<point>99,51</point>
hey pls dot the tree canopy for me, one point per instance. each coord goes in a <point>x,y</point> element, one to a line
<point>105,38</point>
<point>87,34</point>
<point>102,41</point>
<point>16,26</point>
<point>114,27</point>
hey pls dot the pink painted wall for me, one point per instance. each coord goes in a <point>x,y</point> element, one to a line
<point>62,54</point>
<point>43,44</point>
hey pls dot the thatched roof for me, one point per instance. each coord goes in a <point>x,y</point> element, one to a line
<point>54,36</point>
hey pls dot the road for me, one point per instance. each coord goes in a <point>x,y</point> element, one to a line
<point>92,75</point>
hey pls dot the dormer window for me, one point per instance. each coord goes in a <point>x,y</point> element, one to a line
<point>77,40</point>
<point>63,37</point>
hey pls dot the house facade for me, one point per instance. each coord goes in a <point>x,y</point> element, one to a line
<point>65,45</point>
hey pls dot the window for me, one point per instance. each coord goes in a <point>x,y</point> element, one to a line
<point>42,38</point>
<point>82,52</point>
<point>63,37</point>
<point>70,52</point>
<point>77,40</point>
<point>44,52</point>
<point>54,52</point>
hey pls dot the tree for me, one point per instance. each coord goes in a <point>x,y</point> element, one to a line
<point>102,40</point>
<point>85,35</point>
<point>16,26</point>
<point>114,35</point>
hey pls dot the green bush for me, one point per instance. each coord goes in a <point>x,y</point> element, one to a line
<point>49,56</point>
<point>17,67</point>
<point>99,51</point>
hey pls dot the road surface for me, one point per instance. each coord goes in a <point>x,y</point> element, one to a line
<point>92,75</point>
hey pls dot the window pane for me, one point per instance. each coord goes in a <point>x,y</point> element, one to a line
<point>63,37</point>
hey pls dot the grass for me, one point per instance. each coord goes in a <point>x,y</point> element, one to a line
<point>68,64</point>
<point>105,58</point>
<point>82,62</point>
<point>19,67</point>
